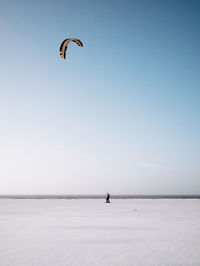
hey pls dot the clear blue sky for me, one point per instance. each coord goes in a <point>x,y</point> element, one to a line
<point>122,114</point>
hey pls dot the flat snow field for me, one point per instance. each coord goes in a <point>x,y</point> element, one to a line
<point>90,232</point>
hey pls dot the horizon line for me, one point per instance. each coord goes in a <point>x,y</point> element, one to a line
<point>99,196</point>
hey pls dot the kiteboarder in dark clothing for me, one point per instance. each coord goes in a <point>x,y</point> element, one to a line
<point>108,198</point>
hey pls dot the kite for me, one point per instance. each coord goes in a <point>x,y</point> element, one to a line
<point>64,45</point>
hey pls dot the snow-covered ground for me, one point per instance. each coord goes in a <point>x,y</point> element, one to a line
<point>90,232</point>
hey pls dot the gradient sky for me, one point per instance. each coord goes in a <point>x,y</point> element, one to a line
<point>121,115</point>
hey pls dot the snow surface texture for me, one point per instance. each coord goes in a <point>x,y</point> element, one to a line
<point>90,232</point>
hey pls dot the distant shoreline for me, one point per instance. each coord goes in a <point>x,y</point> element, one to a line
<point>99,197</point>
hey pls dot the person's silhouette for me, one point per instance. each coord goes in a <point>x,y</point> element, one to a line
<point>108,198</point>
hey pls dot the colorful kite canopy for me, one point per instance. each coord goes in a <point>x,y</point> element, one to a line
<point>64,45</point>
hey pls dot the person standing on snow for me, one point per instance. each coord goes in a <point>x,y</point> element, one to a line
<point>108,198</point>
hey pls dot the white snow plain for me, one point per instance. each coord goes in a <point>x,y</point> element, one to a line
<point>90,232</point>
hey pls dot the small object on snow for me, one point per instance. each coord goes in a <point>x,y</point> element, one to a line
<point>108,198</point>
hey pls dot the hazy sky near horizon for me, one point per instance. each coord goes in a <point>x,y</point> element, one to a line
<point>122,114</point>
